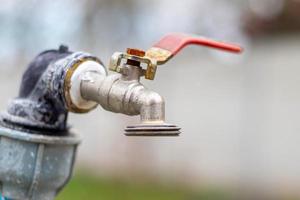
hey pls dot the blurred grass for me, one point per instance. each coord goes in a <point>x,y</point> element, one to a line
<point>84,186</point>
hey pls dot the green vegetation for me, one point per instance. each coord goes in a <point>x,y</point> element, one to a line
<point>85,187</point>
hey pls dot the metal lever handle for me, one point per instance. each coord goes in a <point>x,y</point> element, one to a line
<point>164,50</point>
<point>172,43</point>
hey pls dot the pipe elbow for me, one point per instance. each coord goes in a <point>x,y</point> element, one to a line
<point>46,92</point>
<point>40,104</point>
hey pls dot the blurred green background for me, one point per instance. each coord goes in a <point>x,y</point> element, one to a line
<point>86,186</point>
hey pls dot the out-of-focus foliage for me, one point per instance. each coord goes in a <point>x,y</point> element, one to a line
<point>85,186</point>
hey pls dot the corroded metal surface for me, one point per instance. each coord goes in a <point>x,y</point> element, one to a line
<point>40,105</point>
<point>43,108</point>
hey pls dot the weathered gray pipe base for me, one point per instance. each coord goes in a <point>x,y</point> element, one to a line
<point>35,167</point>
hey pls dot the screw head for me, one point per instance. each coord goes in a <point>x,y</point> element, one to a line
<point>136,52</point>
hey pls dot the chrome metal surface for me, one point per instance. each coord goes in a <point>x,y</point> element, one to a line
<point>123,93</point>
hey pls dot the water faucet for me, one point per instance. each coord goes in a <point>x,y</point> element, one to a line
<point>38,148</point>
<point>124,93</point>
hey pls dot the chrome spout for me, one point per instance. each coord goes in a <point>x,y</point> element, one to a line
<point>123,93</point>
<point>152,107</point>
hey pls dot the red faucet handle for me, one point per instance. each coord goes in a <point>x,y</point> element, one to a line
<point>171,44</point>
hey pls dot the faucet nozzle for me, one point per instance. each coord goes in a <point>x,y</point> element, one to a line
<point>149,129</point>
